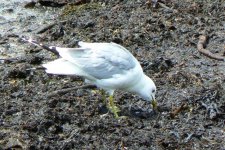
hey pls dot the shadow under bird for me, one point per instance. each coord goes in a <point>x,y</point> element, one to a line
<point>109,66</point>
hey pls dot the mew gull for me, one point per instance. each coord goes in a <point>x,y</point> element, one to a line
<point>109,66</point>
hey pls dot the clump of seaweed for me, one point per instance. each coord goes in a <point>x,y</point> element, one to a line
<point>78,9</point>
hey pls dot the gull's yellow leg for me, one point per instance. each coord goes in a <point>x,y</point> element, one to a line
<point>113,107</point>
<point>154,104</point>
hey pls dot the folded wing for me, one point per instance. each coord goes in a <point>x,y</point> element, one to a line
<point>97,60</point>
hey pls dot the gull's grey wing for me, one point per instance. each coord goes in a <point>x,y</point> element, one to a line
<point>100,60</point>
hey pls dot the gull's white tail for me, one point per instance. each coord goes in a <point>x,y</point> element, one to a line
<point>63,67</point>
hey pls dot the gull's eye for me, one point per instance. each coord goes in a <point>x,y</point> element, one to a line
<point>153,91</point>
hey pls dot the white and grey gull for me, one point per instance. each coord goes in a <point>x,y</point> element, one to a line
<point>109,66</point>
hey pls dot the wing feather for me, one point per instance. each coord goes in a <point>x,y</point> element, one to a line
<point>100,60</point>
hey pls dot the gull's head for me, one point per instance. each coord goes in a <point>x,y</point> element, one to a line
<point>148,89</point>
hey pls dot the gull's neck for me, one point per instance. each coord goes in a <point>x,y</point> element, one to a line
<point>139,85</point>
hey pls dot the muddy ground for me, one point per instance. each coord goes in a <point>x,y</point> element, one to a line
<point>190,86</point>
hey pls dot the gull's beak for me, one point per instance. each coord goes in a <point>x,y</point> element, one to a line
<point>154,103</point>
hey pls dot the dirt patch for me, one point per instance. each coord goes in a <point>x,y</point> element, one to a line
<point>190,86</point>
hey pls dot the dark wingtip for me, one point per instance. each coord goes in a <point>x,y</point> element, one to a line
<point>30,40</point>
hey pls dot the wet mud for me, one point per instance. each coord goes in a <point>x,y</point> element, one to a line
<point>162,35</point>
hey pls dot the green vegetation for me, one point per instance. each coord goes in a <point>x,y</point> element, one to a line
<point>78,9</point>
